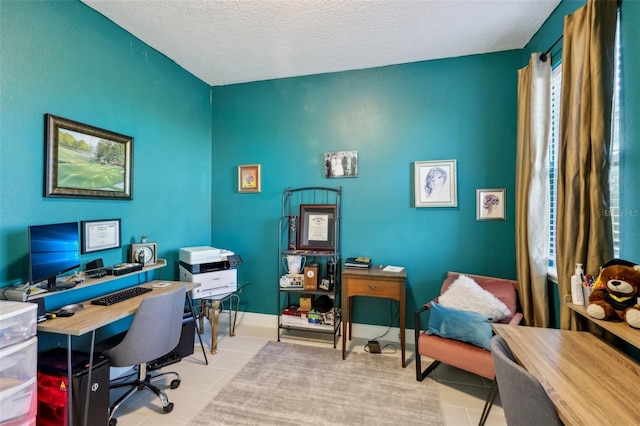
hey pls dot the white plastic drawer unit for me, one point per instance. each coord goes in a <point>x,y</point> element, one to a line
<point>18,380</point>
<point>18,363</point>
<point>17,322</point>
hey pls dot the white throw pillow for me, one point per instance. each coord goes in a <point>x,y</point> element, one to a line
<point>465,294</point>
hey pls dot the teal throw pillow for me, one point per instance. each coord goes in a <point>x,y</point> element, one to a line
<point>465,326</point>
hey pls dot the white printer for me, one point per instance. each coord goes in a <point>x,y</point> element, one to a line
<point>214,268</point>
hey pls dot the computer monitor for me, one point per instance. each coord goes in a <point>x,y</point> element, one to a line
<point>53,250</point>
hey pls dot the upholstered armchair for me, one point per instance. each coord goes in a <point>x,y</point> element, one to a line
<point>465,356</point>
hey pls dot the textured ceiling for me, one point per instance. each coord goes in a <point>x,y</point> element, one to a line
<point>232,41</point>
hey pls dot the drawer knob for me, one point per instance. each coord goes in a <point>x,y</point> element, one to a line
<point>373,286</point>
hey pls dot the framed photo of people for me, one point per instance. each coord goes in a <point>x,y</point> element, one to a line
<point>341,164</point>
<point>435,183</point>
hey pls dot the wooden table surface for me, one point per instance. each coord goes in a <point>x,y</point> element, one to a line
<point>588,381</point>
<point>93,317</point>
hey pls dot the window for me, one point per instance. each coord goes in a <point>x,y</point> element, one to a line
<point>614,173</point>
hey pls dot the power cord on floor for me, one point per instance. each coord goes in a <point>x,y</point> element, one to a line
<point>373,346</point>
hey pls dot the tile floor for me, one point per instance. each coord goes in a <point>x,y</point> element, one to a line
<point>462,394</point>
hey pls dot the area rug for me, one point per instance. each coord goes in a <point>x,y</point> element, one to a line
<point>291,384</point>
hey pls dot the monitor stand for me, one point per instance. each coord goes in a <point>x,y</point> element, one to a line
<point>52,285</point>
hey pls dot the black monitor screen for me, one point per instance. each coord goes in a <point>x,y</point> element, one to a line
<point>53,249</point>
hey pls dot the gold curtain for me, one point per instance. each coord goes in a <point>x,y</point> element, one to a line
<point>532,189</point>
<point>583,228</point>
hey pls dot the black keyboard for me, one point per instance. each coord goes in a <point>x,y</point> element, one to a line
<point>120,296</point>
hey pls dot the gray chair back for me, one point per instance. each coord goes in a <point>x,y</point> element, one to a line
<point>154,332</point>
<point>524,400</point>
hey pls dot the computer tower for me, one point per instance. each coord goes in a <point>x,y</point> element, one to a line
<point>53,386</point>
<point>184,348</point>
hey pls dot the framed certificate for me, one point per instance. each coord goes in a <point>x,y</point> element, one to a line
<point>317,226</point>
<point>98,235</point>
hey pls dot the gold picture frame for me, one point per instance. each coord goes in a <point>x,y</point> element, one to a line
<point>84,161</point>
<point>249,179</point>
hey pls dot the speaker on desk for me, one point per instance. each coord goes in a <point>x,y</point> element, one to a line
<point>95,269</point>
<point>95,264</point>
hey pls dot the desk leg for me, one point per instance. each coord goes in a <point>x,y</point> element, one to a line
<point>214,317</point>
<point>195,323</point>
<point>345,318</point>
<point>232,324</point>
<point>402,329</point>
<point>69,382</point>
<point>350,317</point>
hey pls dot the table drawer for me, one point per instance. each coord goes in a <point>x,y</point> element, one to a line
<point>374,288</point>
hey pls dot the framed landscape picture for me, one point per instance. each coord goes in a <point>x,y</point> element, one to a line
<point>83,161</point>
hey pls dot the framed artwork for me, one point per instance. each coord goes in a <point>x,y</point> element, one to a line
<point>341,164</point>
<point>490,204</point>
<point>317,226</point>
<point>98,235</point>
<point>249,178</point>
<point>435,183</point>
<point>83,161</point>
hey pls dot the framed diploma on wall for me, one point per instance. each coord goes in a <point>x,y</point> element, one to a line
<point>98,235</point>
<point>317,227</point>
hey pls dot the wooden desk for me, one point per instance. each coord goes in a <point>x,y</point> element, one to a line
<point>588,381</point>
<point>91,318</point>
<point>372,282</point>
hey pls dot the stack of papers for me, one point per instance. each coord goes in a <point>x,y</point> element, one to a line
<point>390,268</point>
<point>357,262</point>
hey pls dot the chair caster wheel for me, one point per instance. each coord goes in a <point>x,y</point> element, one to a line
<point>174,384</point>
<point>113,422</point>
<point>168,408</point>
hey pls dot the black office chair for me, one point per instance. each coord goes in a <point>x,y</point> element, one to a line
<point>524,400</point>
<point>154,332</point>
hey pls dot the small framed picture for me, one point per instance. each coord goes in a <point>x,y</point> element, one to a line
<point>490,204</point>
<point>100,235</point>
<point>435,183</point>
<point>341,164</point>
<point>249,178</point>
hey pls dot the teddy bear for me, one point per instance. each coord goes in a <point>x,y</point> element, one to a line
<point>615,293</point>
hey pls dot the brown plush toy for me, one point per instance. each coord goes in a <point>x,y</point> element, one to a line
<point>615,293</point>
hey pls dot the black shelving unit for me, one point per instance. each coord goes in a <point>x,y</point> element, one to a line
<point>326,199</point>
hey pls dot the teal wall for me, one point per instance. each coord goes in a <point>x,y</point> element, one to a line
<point>63,58</point>
<point>461,108</point>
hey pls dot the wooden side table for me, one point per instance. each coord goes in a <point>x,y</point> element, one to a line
<point>372,282</point>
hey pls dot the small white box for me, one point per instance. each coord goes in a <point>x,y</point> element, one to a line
<point>203,254</point>
<point>211,283</point>
<point>18,321</point>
